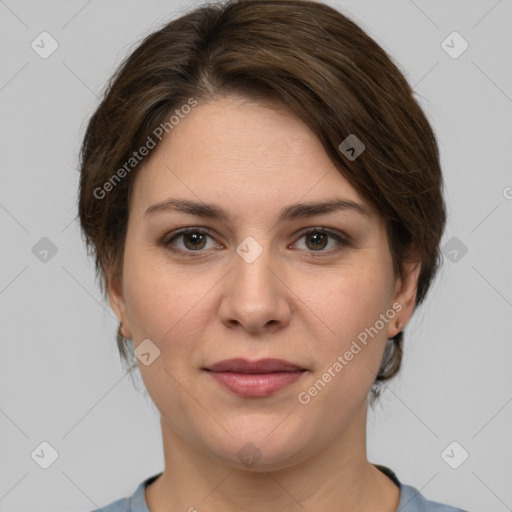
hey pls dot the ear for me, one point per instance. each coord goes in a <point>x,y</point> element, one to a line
<point>117,302</point>
<point>405,293</point>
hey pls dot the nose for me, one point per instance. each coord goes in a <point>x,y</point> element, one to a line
<point>254,294</point>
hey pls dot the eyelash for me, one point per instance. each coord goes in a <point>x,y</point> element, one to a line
<point>343,241</point>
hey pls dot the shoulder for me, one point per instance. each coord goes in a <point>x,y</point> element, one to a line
<point>411,500</point>
<point>121,505</point>
<point>134,503</point>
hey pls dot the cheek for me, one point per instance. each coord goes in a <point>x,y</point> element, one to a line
<point>351,306</point>
<point>165,303</point>
<point>368,295</point>
<point>355,300</point>
<point>155,297</point>
<point>350,354</point>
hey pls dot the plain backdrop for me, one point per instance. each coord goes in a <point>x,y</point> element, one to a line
<point>61,381</point>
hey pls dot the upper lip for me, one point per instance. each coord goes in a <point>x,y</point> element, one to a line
<point>241,365</point>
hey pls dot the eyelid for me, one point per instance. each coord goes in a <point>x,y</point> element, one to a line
<point>336,233</point>
<point>343,239</point>
<point>168,238</point>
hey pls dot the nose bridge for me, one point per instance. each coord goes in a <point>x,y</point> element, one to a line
<point>252,272</point>
<point>254,295</point>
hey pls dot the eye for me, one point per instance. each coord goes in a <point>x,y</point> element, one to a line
<point>317,240</point>
<point>194,240</point>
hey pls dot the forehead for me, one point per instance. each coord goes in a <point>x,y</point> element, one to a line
<point>235,151</point>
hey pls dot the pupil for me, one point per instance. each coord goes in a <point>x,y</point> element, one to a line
<point>316,236</point>
<point>195,237</point>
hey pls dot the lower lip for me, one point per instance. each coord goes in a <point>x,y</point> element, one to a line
<point>256,384</point>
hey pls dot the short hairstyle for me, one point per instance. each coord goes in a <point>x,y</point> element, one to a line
<point>311,59</point>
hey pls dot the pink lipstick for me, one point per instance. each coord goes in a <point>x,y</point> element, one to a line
<point>255,378</point>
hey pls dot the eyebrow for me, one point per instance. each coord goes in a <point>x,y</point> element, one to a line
<point>290,212</point>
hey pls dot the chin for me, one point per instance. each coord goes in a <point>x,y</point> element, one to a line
<point>263,448</point>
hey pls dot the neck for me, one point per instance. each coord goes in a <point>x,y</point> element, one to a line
<point>338,477</point>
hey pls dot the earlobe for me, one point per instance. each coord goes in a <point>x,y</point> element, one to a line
<point>405,295</point>
<point>117,303</point>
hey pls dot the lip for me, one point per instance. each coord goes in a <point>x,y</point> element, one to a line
<point>255,378</point>
<point>240,365</point>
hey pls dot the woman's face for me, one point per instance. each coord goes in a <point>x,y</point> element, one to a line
<point>253,285</point>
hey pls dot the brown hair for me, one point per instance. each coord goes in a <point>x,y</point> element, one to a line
<point>306,56</point>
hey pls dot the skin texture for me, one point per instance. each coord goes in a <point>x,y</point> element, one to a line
<point>295,301</point>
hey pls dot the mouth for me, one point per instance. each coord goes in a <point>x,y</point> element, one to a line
<point>240,365</point>
<point>255,378</point>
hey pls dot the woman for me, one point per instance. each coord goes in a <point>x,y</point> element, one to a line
<point>263,197</point>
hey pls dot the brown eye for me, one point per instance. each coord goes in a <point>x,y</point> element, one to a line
<point>193,240</point>
<point>317,240</point>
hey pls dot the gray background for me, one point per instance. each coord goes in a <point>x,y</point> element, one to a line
<point>60,377</point>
